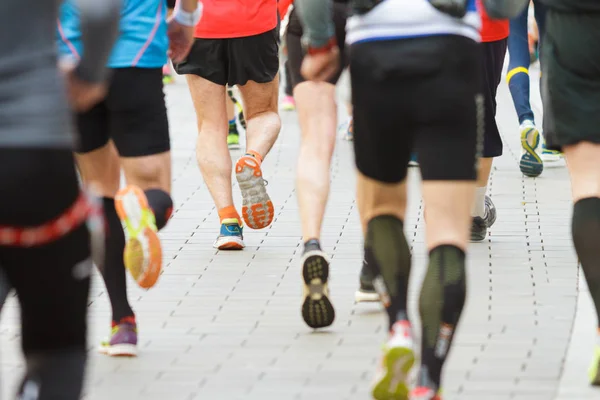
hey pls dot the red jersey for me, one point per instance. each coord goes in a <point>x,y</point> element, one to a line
<point>236,18</point>
<point>492,29</point>
<point>283,6</point>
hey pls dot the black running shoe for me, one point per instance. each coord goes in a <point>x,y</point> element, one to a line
<point>317,310</point>
<point>480,225</point>
<point>366,293</point>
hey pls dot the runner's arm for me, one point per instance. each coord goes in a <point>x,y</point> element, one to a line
<point>99,30</point>
<point>317,21</point>
<point>504,9</point>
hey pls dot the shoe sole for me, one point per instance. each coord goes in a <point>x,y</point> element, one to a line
<point>393,385</point>
<point>257,207</point>
<point>233,146</point>
<point>232,243</point>
<point>143,251</point>
<point>594,372</point>
<point>317,310</point>
<point>531,164</point>
<point>475,238</point>
<point>119,350</point>
<point>366,297</point>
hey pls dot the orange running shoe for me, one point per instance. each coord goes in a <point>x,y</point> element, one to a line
<point>143,252</point>
<point>257,208</point>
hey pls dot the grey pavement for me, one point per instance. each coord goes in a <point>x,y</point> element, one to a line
<point>227,325</point>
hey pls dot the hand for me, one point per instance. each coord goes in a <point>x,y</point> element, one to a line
<point>321,66</point>
<point>181,39</point>
<point>81,94</point>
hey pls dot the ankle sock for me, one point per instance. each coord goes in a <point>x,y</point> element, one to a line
<point>388,258</point>
<point>311,245</point>
<point>114,268</point>
<point>161,204</point>
<point>440,306</point>
<point>229,212</point>
<point>479,204</point>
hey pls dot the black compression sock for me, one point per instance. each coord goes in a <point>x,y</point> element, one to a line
<point>114,268</point>
<point>161,203</point>
<point>54,375</point>
<point>387,255</point>
<point>440,306</point>
<point>586,238</point>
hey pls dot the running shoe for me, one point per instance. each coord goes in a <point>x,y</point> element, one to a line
<point>366,293</point>
<point>317,310</point>
<point>480,225</point>
<point>123,339</point>
<point>413,160</point>
<point>531,164</point>
<point>425,393</point>
<point>391,381</point>
<point>257,207</point>
<point>167,75</point>
<point>288,103</point>
<point>231,236</point>
<point>594,371</point>
<point>550,156</point>
<point>233,141</point>
<point>143,252</point>
<point>426,389</point>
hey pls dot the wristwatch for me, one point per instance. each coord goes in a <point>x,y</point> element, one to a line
<point>331,43</point>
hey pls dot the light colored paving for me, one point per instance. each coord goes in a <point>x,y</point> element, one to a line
<point>227,326</point>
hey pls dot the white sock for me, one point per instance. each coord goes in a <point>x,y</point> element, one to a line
<point>479,204</point>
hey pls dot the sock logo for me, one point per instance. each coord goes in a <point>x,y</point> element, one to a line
<point>381,289</point>
<point>443,341</point>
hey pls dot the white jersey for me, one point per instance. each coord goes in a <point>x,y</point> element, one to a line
<point>396,19</point>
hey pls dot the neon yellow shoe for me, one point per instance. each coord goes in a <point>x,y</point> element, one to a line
<point>233,141</point>
<point>143,252</point>
<point>595,368</point>
<point>391,381</point>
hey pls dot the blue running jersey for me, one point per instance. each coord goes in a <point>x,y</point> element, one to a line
<point>142,39</point>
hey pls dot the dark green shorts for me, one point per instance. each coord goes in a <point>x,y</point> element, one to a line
<point>571,79</point>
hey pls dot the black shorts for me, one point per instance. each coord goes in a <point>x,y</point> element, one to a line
<point>571,79</point>
<point>421,95</point>
<point>133,115</point>
<point>171,4</point>
<point>234,61</point>
<point>296,53</point>
<point>493,63</point>
<point>38,186</point>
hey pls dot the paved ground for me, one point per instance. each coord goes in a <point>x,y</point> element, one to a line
<point>227,326</point>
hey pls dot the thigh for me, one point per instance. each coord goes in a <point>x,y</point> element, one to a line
<point>38,185</point>
<point>93,129</point>
<point>450,121</point>
<point>207,59</point>
<point>52,284</point>
<point>137,111</point>
<point>571,82</point>
<point>253,58</point>
<point>518,42</point>
<point>383,135</point>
